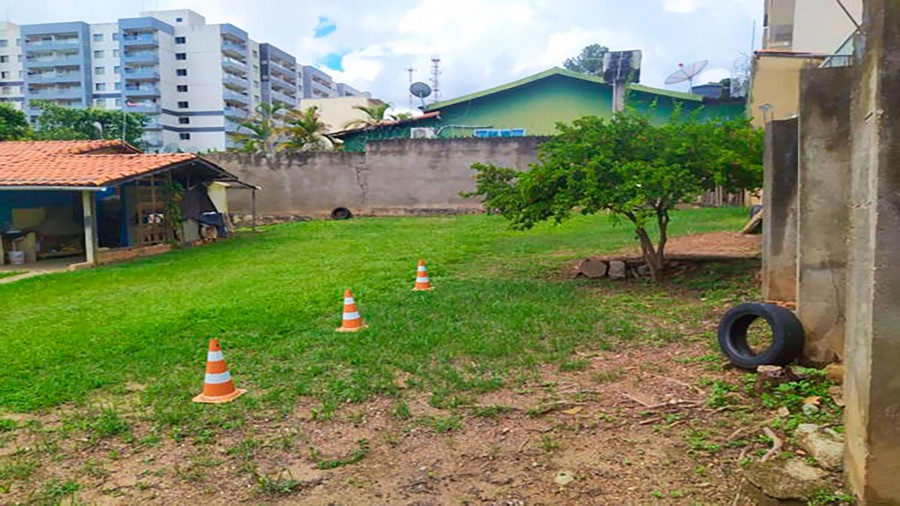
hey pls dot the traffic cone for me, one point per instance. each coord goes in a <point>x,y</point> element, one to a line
<point>350,322</point>
<point>218,386</point>
<point>422,283</point>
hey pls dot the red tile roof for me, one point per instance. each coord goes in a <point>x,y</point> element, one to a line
<point>63,163</point>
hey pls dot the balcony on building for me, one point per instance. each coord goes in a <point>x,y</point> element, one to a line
<point>153,124</point>
<point>141,73</point>
<point>283,70</point>
<point>143,89</point>
<point>235,81</point>
<point>285,100</point>
<point>234,65</point>
<point>231,96</point>
<point>140,40</point>
<point>234,50</point>
<point>51,42</point>
<point>145,107</point>
<point>145,57</point>
<point>236,112</point>
<point>56,93</point>
<point>53,59</point>
<point>55,76</point>
<point>278,83</point>
<point>232,126</point>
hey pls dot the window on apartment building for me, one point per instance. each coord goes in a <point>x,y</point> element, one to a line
<point>117,86</point>
<point>180,72</point>
<point>256,69</point>
<point>19,57</point>
<point>181,40</point>
<point>115,53</point>
<point>100,87</point>
<point>117,70</point>
<point>99,70</point>
<point>256,98</point>
<point>179,20</point>
<point>115,36</point>
<point>255,53</point>
<point>4,59</point>
<point>7,90</point>
<point>183,105</point>
<point>184,121</point>
<point>184,136</point>
<point>4,75</point>
<point>99,102</point>
<point>118,102</point>
<point>4,43</point>
<point>256,84</point>
<point>98,53</point>
<point>98,37</point>
<point>181,56</point>
<point>182,88</point>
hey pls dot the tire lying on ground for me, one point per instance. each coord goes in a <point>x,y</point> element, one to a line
<point>341,213</point>
<point>787,335</point>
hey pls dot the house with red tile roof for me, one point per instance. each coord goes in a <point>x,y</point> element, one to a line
<point>87,199</point>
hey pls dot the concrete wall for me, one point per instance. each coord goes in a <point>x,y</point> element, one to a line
<point>779,270</point>
<point>393,177</point>
<point>871,384</point>
<point>822,210</point>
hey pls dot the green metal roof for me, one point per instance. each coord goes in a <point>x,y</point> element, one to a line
<point>556,71</point>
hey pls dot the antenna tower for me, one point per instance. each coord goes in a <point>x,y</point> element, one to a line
<point>410,70</point>
<point>435,78</point>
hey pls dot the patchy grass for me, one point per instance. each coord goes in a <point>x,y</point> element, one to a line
<point>9,274</point>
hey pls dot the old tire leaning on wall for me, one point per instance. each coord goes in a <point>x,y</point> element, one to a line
<point>787,335</point>
<point>341,213</point>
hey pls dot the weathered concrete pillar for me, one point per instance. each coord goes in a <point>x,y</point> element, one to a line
<point>823,213</point>
<point>89,205</point>
<point>872,353</point>
<point>779,270</point>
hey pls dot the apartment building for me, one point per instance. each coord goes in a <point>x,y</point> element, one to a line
<point>279,77</point>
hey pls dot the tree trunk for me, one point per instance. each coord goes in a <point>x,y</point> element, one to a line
<point>652,255</point>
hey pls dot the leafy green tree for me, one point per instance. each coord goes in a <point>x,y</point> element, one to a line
<point>263,131</point>
<point>304,131</point>
<point>590,61</point>
<point>65,123</point>
<point>13,124</point>
<point>629,168</point>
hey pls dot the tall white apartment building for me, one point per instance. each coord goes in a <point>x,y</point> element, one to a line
<point>196,81</point>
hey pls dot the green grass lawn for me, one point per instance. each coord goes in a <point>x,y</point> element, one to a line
<point>274,299</point>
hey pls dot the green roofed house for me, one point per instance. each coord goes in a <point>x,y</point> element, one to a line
<point>532,106</point>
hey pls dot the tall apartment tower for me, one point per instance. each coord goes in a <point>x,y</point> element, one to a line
<point>196,81</point>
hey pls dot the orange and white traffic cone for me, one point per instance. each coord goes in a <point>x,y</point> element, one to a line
<point>422,283</point>
<point>218,387</point>
<point>350,321</point>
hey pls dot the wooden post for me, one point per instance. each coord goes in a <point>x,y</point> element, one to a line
<point>90,226</point>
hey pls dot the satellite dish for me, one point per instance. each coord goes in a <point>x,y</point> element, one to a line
<point>687,73</point>
<point>419,89</point>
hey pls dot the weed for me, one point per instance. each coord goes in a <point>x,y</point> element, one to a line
<point>400,411</point>
<point>19,469</point>
<point>7,425</point>
<point>354,457</point>
<point>282,484</point>
<point>697,440</point>
<point>493,411</point>
<point>94,469</point>
<point>828,498</point>
<point>449,424</point>
<point>721,394</point>
<point>549,444</point>
<point>608,376</point>
<point>246,449</point>
<point>657,494</point>
<point>574,365</point>
<point>54,490</point>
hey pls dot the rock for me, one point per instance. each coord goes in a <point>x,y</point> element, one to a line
<point>564,478</point>
<point>617,269</point>
<point>810,409</point>
<point>835,372</point>
<point>593,268</point>
<point>644,271</point>
<point>826,446</point>
<point>782,482</point>
<point>837,394</point>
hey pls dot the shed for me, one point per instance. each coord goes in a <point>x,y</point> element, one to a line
<point>72,198</point>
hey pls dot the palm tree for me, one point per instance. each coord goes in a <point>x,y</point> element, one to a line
<point>376,113</point>
<point>263,130</point>
<point>304,131</point>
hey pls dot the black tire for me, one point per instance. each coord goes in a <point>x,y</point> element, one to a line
<point>341,213</point>
<point>755,209</point>
<point>787,335</point>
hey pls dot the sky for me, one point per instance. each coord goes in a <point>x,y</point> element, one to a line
<point>481,43</point>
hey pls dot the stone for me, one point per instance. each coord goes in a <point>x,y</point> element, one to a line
<point>593,268</point>
<point>617,269</point>
<point>782,482</point>
<point>563,478</point>
<point>644,271</point>
<point>826,447</point>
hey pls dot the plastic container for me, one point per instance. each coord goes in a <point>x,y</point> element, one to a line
<point>16,257</point>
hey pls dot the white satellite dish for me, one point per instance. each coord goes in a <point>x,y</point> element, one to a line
<point>687,73</point>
